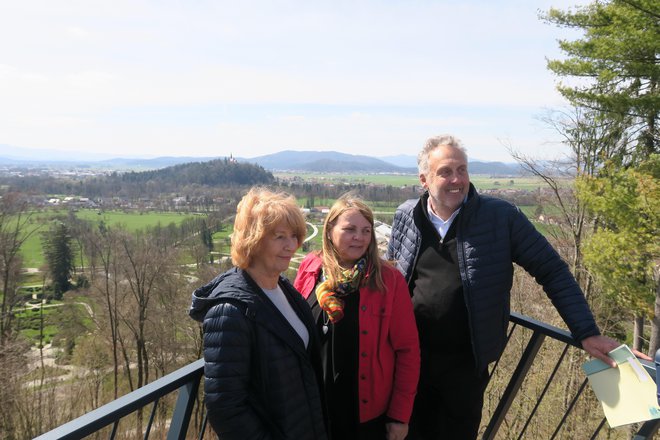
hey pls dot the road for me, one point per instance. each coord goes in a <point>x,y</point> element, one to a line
<point>315,231</point>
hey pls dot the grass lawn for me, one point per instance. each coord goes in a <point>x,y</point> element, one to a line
<point>382,179</point>
<point>401,180</point>
<point>132,221</point>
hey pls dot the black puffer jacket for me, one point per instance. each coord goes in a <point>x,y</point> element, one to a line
<point>260,381</point>
<point>491,234</point>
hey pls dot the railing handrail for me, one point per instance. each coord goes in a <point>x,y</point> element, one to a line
<point>187,378</point>
<point>544,328</point>
<point>127,404</point>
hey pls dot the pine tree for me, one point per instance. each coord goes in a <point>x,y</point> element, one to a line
<point>623,253</point>
<point>59,256</point>
<point>616,64</point>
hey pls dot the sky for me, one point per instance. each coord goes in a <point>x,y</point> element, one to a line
<point>149,78</point>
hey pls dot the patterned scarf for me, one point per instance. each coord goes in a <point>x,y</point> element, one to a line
<point>330,299</point>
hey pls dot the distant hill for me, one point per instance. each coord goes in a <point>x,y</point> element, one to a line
<point>288,160</point>
<point>212,173</point>
<point>72,160</point>
<point>494,168</point>
<point>401,160</point>
<point>335,162</point>
<point>325,162</point>
<point>476,166</point>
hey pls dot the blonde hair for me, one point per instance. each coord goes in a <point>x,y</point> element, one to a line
<point>330,256</point>
<point>257,214</point>
<point>434,142</point>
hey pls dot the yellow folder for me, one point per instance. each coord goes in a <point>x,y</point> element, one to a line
<point>627,393</point>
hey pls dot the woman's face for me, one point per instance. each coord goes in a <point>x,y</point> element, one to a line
<point>275,250</point>
<point>350,236</point>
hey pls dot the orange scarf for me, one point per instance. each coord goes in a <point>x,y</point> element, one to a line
<point>330,299</point>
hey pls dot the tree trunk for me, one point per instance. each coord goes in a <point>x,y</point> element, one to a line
<point>655,327</point>
<point>638,333</point>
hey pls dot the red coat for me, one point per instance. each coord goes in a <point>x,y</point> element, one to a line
<point>389,368</point>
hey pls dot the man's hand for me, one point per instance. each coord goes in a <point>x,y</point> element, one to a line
<point>396,431</point>
<point>598,346</point>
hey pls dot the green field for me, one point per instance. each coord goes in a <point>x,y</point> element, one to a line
<point>404,180</point>
<point>381,179</point>
<point>519,183</point>
<point>132,221</point>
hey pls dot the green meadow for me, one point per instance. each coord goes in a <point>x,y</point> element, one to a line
<point>336,178</point>
<point>132,221</point>
<point>401,180</point>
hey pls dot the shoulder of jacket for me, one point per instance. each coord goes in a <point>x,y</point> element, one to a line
<point>388,269</point>
<point>392,274</point>
<point>408,205</point>
<point>311,263</point>
<point>239,292</point>
<point>239,306</point>
<point>490,203</point>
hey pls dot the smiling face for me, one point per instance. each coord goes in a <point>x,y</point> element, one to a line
<point>350,236</point>
<point>275,252</point>
<point>446,180</point>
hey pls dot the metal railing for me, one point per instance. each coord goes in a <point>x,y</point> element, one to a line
<point>186,380</point>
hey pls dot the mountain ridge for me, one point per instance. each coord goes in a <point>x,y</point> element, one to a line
<point>286,160</point>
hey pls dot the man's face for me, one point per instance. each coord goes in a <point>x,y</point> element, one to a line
<point>447,180</point>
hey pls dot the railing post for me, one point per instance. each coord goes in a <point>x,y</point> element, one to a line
<point>185,379</point>
<point>514,385</point>
<point>648,430</point>
<point>183,410</point>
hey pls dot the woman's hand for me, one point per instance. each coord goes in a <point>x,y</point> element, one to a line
<point>396,430</point>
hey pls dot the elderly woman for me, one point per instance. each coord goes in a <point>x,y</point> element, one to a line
<point>262,368</point>
<point>364,314</point>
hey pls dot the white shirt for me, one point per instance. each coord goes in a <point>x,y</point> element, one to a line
<point>442,226</point>
<point>278,298</point>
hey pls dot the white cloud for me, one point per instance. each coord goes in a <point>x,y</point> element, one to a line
<point>77,32</point>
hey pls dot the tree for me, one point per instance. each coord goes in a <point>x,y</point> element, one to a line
<point>91,353</point>
<point>616,64</point>
<point>618,58</point>
<point>15,220</point>
<point>624,253</point>
<point>59,255</point>
<point>592,139</point>
<point>79,229</point>
<point>148,270</point>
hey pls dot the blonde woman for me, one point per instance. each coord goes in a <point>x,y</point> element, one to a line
<point>365,318</point>
<point>262,370</point>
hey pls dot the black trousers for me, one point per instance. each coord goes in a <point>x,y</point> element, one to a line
<point>373,429</point>
<point>449,398</point>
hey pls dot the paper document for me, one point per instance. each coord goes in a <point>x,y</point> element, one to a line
<point>627,393</point>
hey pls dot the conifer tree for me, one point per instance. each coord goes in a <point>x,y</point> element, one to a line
<point>615,64</point>
<point>59,256</point>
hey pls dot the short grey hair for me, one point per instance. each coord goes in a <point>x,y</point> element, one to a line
<point>433,143</point>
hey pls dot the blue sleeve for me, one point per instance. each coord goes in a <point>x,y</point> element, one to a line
<point>532,251</point>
